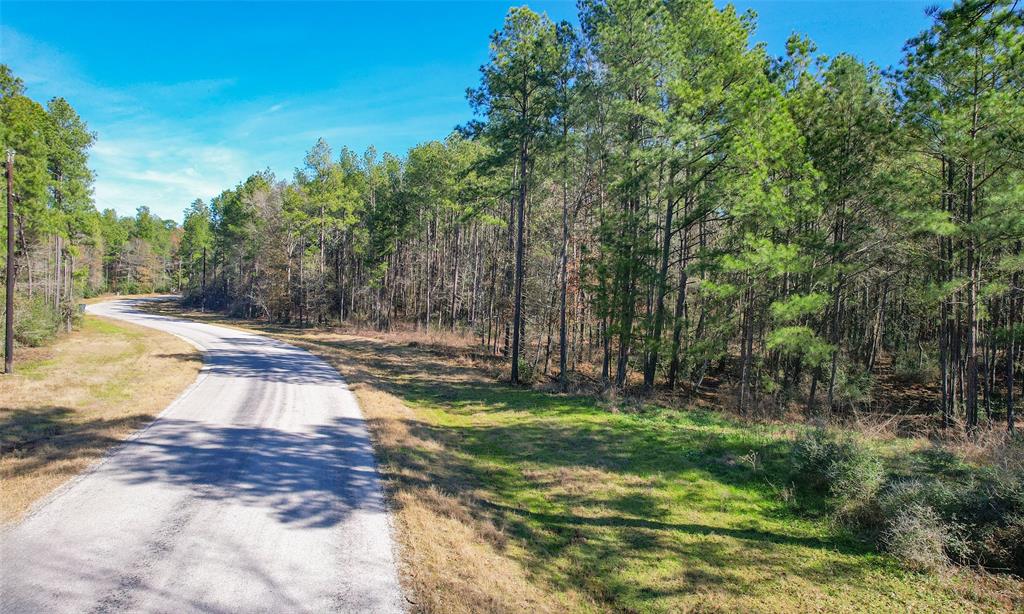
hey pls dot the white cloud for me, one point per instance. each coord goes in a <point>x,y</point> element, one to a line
<point>163,171</point>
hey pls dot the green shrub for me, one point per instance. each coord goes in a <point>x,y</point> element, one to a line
<point>837,464</point>
<point>1003,545</point>
<point>901,494</point>
<point>977,520</point>
<point>991,507</point>
<point>811,454</point>
<point>956,511</point>
<point>130,286</point>
<point>915,367</point>
<point>914,530</point>
<point>35,320</point>
<point>854,386</point>
<point>525,371</point>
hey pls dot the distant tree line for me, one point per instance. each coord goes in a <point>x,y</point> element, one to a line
<point>657,197</point>
<point>64,248</point>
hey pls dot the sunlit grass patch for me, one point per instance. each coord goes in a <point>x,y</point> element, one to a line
<point>649,510</point>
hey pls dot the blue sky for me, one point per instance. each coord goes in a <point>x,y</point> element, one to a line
<point>189,98</point>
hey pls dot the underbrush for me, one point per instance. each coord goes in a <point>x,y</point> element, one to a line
<point>36,320</point>
<point>947,510</point>
<point>919,367</point>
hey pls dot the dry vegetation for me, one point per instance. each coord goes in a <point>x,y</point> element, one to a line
<point>68,403</point>
<point>108,296</point>
<point>510,500</point>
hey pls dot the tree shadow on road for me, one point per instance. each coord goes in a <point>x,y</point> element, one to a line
<point>312,479</point>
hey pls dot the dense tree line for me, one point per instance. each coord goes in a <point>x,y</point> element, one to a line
<point>65,248</point>
<point>655,196</point>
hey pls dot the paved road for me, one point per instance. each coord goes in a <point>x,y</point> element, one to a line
<point>255,491</point>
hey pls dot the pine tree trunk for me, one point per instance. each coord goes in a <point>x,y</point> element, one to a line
<point>563,334</point>
<point>972,311</point>
<point>746,340</point>
<point>679,320</point>
<point>517,314</point>
<point>651,368</point>
<point>1015,308</point>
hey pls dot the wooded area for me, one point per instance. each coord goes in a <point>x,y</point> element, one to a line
<point>655,196</point>
<point>648,200</point>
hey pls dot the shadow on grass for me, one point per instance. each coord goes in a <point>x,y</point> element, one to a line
<point>620,545</point>
<point>43,435</point>
<point>574,521</point>
<point>193,357</point>
<point>510,455</point>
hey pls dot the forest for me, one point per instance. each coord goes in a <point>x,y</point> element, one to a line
<point>646,202</point>
<point>651,201</point>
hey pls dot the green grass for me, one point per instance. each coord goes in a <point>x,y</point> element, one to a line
<point>658,510</point>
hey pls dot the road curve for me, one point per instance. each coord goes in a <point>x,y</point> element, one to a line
<point>255,491</point>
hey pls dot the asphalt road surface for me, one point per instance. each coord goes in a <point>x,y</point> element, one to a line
<point>255,491</point>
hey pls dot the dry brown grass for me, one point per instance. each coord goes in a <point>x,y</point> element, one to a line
<point>989,445</point>
<point>68,403</point>
<point>99,298</point>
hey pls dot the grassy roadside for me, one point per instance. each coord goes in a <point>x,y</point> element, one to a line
<point>508,500</point>
<point>67,403</point>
